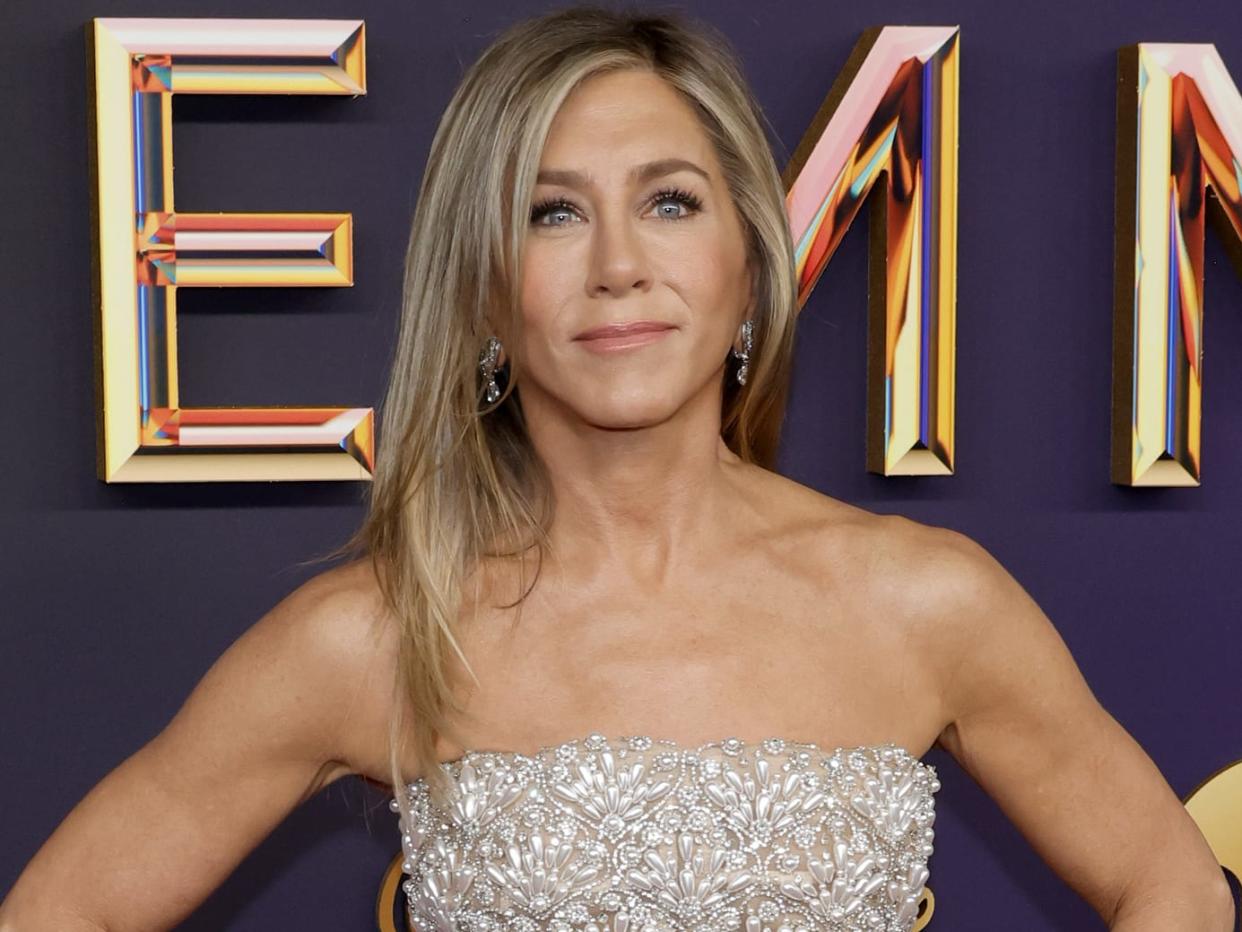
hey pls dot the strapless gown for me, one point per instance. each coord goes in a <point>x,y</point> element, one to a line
<point>639,834</point>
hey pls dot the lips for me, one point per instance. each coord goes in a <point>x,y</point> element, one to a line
<point>611,331</point>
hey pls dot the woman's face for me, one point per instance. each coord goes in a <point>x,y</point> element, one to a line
<point>631,222</point>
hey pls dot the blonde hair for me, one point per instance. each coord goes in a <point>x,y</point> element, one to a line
<point>456,479</point>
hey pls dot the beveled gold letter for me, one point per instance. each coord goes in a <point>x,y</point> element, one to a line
<point>144,250</point>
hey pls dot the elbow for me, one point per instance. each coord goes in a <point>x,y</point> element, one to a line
<point>1228,909</point>
<point>1214,906</point>
<point>1208,907</point>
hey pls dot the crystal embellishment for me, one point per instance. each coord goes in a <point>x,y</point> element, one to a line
<point>488,358</point>
<point>638,834</point>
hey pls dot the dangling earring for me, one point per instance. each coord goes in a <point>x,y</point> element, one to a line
<point>743,370</point>
<point>487,367</point>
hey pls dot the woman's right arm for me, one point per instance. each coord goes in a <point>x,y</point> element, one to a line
<point>277,717</point>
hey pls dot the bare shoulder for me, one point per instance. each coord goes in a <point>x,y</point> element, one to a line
<point>935,590</point>
<point>1010,690</point>
<point>939,577</point>
<point>339,610</point>
<point>967,618</point>
<point>997,661</point>
<point>334,623</point>
<point>907,560</point>
<point>336,628</point>
<point>920,574</point>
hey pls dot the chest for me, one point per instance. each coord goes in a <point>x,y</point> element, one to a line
<point>772,651</point>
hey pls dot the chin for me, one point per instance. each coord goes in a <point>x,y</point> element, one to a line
<point>629,413</point>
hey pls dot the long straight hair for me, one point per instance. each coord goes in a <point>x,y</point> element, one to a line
<point>456,478</point>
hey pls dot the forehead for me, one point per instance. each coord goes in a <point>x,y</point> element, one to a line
<point>621,117</point>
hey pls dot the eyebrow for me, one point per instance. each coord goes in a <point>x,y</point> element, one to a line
<point>639,173</point>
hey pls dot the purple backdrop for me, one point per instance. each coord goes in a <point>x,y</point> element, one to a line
<point>117,599</point>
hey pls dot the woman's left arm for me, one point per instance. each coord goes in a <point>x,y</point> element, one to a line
<point>1026,726</point>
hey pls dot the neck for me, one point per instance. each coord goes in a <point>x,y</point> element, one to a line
<point>635,505</point>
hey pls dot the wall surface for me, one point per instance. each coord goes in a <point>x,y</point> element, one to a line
<point>117,599</point>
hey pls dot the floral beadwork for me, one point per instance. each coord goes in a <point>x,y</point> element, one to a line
<point>639,834</point>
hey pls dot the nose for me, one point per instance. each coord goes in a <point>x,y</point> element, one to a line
<point>619,260</point>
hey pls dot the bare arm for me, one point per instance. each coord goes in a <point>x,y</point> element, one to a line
<point>264,730</point>
<point>1026,726</point>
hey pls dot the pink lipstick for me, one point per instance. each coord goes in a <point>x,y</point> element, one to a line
<point>624,335</point>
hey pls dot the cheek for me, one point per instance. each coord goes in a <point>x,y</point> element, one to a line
<point>543,288</point>
<point>711,276</point>
<point>711,259</point>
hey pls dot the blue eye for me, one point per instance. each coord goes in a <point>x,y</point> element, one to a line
<point>553,205</point>
<point>560,205</point>
<point>685,198</point>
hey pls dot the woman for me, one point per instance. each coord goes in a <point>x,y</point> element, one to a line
<point>589,609</point>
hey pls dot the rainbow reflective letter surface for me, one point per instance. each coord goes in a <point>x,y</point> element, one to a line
<point>1179,140</point>
<point>145,250</point>
<point>892,114</point>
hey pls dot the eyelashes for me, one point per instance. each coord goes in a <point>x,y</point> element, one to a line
<point>550,205</point>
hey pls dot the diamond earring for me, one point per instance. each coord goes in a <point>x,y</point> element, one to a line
<point>748,329</point>
<point>487,367</point>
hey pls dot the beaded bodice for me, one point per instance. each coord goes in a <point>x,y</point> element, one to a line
<point>637,834</point>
